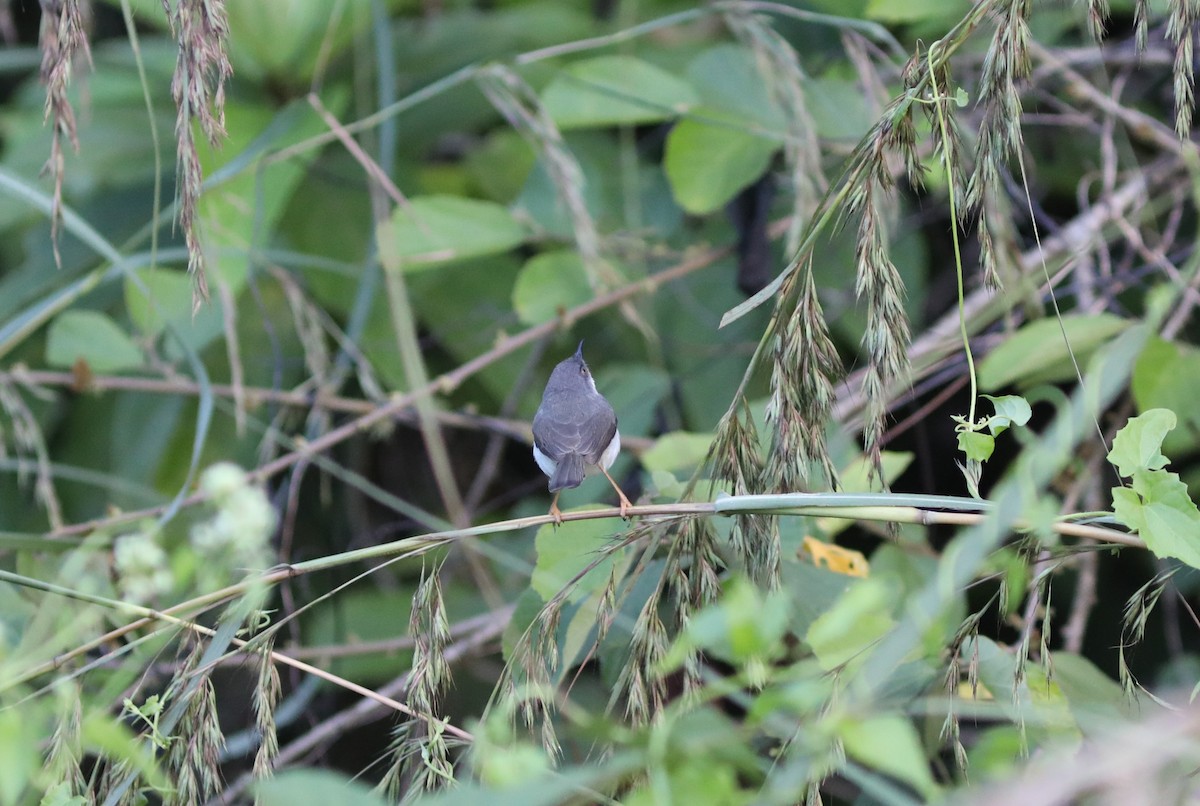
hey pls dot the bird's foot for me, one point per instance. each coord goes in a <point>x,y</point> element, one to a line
<point>556,513</point>
<point>625,507</point>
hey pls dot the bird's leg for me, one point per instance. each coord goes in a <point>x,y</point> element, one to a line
<point>555,512</point>
<point>625,505</point>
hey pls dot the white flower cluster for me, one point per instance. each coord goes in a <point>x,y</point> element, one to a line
<point>143,573</point>
<point>237,537</point>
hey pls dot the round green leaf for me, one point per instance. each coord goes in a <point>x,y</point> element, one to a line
<point>678,450</point>
<point>710,158</point>
<point>612,90</point>
<point>94,338</point>
<point>549,284</point>
<point>440,229</point>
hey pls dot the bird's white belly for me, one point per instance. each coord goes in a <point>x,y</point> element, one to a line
<point>547,464</point>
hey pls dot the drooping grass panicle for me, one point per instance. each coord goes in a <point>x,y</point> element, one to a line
<point>420,755</point>
<point>738,461</point>
<point>118,784</point>
<point>63,42</point>
<point>644,692</point>
<point>265,699</point>
<point>194,750</point>
<point>1134,619</point>
<point>692,570</point>
<point>1141,24</point>
<point>29,443</point>
<point>201,29</point>
<point>804,367</point>
<point>959,672</point>
<point>65,752</point>
<point>1098,11</point>
<point>1182,16</point>
<point>885,340</point>
<point>780,68</point>
<point>1005,65</point>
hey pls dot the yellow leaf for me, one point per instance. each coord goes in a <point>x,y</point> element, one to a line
<point>837,559</point>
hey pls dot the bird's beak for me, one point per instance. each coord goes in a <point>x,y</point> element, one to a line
<point>579,351</point>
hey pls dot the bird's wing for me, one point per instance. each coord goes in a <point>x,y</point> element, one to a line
<point>585,426</point>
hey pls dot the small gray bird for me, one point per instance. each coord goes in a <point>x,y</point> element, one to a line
<point>575,431</point>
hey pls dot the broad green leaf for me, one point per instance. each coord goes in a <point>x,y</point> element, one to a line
<point>170,301</point>
<point>286,39</point>
<point>500,166</point>
<point>1010,410</point>
<point>94,338</point>
<point>290,787</point>
<point>859,475</point>
<point>1138,444</point>
<point>976,445</point>
<point>612,90</point>
<point>528,605</point>
<point>678,450</point>
<point>746,625</point>
<point>1036,353</point>
<point>839,108</point>
<point>729,80</point>
<point>859,618</point>
<point>236,212</point>
<point>563,552</point>
<point>889,744</point>
<point>909,11</point>
<point>1167,376</point>
<point>549,284</point>
<point>1091,694</point>
<point>1160,510</point>
<point>440,229</point>
<point>634,390</point>
<point>711,157</point>
<point>1034,699</point>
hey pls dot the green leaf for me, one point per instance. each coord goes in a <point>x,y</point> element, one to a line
<point>287,39</point>
<point>170,301</point>
<point>744,626</point>
<point>1160,510</point>
<point>549,284</point>
<point>563,552</point>
<point>1138,444</point>
<point>890,745</point>
<point>1010,410</point>
<point>976,445</point>
<point>728,78</point>
<point>711,157</point>
<point>858,619</point>
<point>1167,376</point>
<point>94,338</point>
<point>612,90</point>
<point>678,450</point>
<point>440,229</point>
<point>838,108</point>
<point>1036,353</point>
<point>910,11</point>
<point>253,191</point>
<point>314,786</point>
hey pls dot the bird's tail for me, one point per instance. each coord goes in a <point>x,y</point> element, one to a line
<point>568,473</point>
